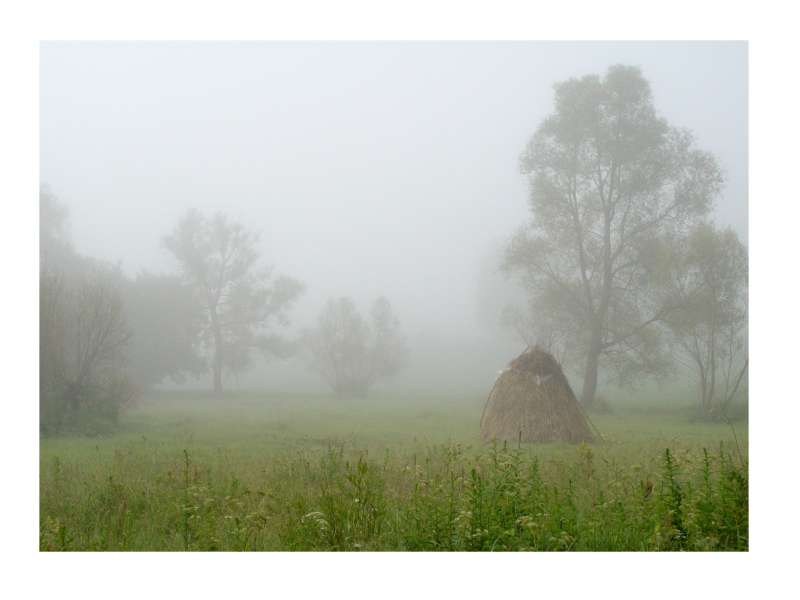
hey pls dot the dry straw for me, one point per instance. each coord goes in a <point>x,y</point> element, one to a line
<point>532,401</point>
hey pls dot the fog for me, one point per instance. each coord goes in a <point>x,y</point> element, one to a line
<point>369,168</point>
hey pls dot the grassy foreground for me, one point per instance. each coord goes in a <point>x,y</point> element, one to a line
<point>190,473</point>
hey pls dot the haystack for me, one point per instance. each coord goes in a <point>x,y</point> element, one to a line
<point>532,401</point>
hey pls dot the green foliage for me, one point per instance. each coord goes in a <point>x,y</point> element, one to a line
<point>352,353</point>
<point>83,335</point>
<point>164,317</point>
<point>672,498</point>
<point>613,186</point>
<point>197,482</point>
<point>237,301</point>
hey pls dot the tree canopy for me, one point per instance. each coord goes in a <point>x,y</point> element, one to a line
<point>351,353</point>
<point>241,301</point>
<point>609,178</point>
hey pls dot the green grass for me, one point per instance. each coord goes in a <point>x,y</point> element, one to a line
<point>186,472</point>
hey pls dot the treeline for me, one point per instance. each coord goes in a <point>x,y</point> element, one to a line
<point>624,272</point>
<point>106,337</point>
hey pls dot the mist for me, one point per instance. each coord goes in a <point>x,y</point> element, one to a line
<point>393,296</point>
<point>368,168</point>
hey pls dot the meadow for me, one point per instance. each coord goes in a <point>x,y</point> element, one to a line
<point>185,471</point>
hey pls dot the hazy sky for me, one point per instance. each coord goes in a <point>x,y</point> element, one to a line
<point>369,168</point>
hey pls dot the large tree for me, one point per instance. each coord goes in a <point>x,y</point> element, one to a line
<point>608,178</point>
<point>240,301</point>
<point>352,353</point>
<point>709,281</point>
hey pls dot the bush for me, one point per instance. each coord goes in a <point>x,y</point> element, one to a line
<point>83,385</point>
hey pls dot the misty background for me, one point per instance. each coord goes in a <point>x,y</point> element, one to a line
<point>369,168</point>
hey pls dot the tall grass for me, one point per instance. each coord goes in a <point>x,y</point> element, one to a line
<point>149,495</point>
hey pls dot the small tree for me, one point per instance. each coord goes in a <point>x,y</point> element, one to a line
<point>352,354</point>
<point>52,351</point>
<point>53,242</point>
<point>165,320</point>
<point>83,337</point>
<point>709,283</point>
<point>83,334</point>
<point>240,301</point>
<point>608,176</point>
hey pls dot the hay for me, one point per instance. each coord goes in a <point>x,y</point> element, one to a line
<point>532,401</point>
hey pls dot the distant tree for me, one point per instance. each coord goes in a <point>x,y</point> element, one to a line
<point>52,351</point>
<point>388,347</point>
<point>496,294</point>
<point>239,300</point>
<point>56,253</point>
<point>52,223</point>
<point>83,338</point>
<point>608,177</point>
<point>352,354</point>
<point>165,320</point>
<point>709,280</point>
<point>83,334</point>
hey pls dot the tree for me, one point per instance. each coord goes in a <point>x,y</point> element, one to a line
<point>239,300</point>
<point>56,253</point>
<point>83,337</point>
<point>388,348</point>
<point>352,354</point>
<point>83,334</point>
<point>165,319</point>
<point>608,177</point>
<point>52,227</point>
<point>709,281</point>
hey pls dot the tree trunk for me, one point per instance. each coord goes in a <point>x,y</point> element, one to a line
<point>703,389</point>
<point>218,355</point>
<point>590,374</point>
<point>712,391</point>
<point>218,373</point>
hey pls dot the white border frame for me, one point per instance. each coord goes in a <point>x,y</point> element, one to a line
<point>773,230</point>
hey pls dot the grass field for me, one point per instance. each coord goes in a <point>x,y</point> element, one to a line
<point>254,472</point>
